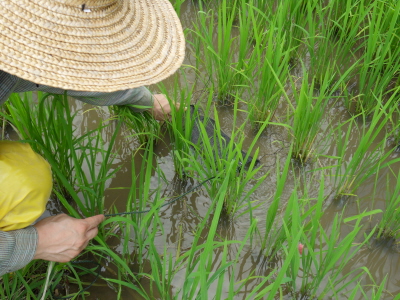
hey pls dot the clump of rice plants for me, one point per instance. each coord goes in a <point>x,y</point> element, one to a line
<point>310,106</point>
<point>139,229</point>
<point>307,118</point>
<point>369,156</point>
<point>381,59</point>
<point>223,68</point>
<point>180,124</point>
<point>26,283</point>
<point>389,226</point>
<point>323,256</point>
<point>48,126</point>
<point>199,262</point>
<point>145,127</point>
<point>346,17</point>
<point>274,235</point>
<point>272,54</point>
<point>215,156</point>
<point>89,160</point>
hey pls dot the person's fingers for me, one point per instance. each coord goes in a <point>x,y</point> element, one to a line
<point>91,233</point>
<point>94,221</point>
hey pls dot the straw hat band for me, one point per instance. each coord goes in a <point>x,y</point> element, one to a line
<point>117,44</point>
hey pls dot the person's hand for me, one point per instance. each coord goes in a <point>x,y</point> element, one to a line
<point>161,109</point>
<point>61,238</point>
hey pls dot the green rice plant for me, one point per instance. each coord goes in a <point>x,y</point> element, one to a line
<point>274,236</point>
<point>331,37</point>
<point>199,261</point>
<point>49,128</point>
<point>181,123</point>
<point>324,53</point>
<point>381,59</point>
<point>321,263</point>
<point>201,269</point>
<point>377,292</point>
<point>144,126</point>
<point>89,157</point>
<point>369,157</point>
<point>25,283</point>
<point>272,55</point>
<point>93,193</point>
<point>296,24</point>
<point>216,157</point>
<point>307,117</point>
<point>323,253</point>
<point>345,18</point>
<point>139,229</point>
<point>389,226</point>
<point>45,124</point>
<point>217,56</point>
<point>311,105</point>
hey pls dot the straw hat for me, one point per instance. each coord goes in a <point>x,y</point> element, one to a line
<point>90,45</point>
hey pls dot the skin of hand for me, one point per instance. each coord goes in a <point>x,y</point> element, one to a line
<point>161,108</point>
<point>61,237</point>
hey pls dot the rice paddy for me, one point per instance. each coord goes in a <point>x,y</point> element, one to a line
<point>310,89</point>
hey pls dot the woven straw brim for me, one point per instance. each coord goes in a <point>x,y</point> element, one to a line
<point>103,45</point>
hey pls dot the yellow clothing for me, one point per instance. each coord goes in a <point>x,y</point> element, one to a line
<point>25,185</point>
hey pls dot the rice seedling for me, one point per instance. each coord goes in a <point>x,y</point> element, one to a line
<point>318,270</point>
<point>180,125</point>
<point>369,157</point>
<point>381,58</point>
<point>294,22</point>
<point>200,273</point>
<point>307,118</point>
<point>145,127</point>
<point>272,237</point>
<point>49,128</point>
<point>141,226</point>
<point>46,125</point>
<point>218,57</point>
<point>389,226</point>
<point>93,195</point>
<point>25,283</point>
<point>88,158</point>
<point>219,158</point>
<point>310,109</point>
<point>377,291</point>
<point>346,17</point>
<point>272,54</point>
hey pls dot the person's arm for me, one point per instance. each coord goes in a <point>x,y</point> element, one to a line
<point>58,238</point>
<point>17,248</point>
<point>138,99</point>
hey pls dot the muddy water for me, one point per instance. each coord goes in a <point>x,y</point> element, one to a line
<point>181,218</point>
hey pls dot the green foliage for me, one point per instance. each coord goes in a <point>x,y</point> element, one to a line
<point>389,226</point>
<point>369,156</point>
<point>247,54</point>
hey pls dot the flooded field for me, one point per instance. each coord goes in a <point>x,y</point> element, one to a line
<point>299,86</point>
